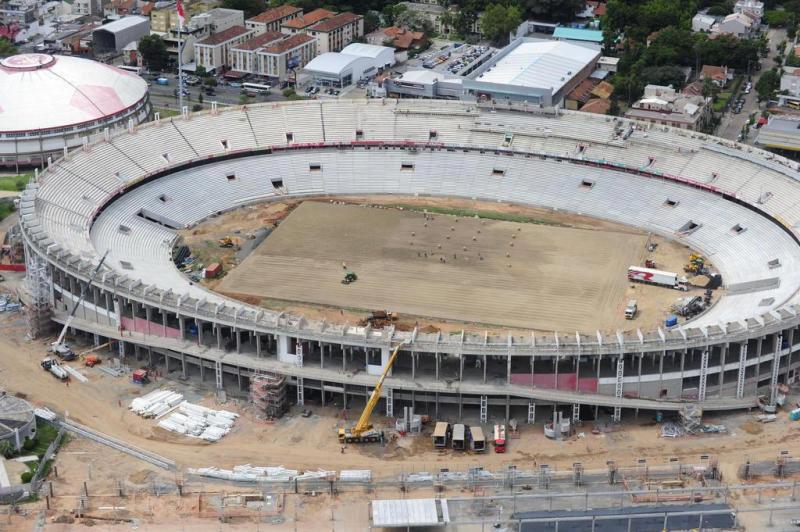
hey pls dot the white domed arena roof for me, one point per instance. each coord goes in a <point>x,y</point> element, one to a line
<point>40,91</point>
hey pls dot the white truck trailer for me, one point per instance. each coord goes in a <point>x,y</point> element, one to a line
<point>657,277</point>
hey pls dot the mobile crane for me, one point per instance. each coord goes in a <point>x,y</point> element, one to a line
<point>363,432</point>
<point>59,347</point>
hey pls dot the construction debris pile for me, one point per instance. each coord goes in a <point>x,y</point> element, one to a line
<point>248,473</point>
<point>690,423</point>
<point>7,305</point>
<point>184,417</point>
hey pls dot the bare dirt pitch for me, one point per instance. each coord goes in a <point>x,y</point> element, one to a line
<point>519,275</point>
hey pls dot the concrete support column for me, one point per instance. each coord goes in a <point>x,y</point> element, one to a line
<point>723,355</point>
<point>344,397</point>
<point>460,367</point>
<point>484,368</point>
<point>121,345</point>
<point>413,366</point>
<point>96,339</point>
<point>639,380</point>
<point>437,366</point>
<point>460,407</point>
<point>183,365</point>
<point>759,345</point>
<point>166,365</point>
<point>322,358</point>
<point>344,359</point>
<point>96,306</point>
<point>238,341</point>
<point>148,313</point>
<point>219,335</point>
<point>508,408</point>
<point>199,325</point>
<point>182,327</point>
<point>239,376</point>
<point>508,368</point>
<point>258,345</point>
<point>790,343</point>
<point>202,370</point>
<point>322,392</point>
<point>118,312</point>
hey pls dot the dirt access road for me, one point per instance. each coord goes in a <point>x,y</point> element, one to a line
<point>310,443</point>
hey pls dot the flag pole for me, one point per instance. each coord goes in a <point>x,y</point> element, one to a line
<point>180,58</point>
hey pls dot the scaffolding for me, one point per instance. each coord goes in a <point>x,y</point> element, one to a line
<point>268,394</point>
<point>37,293</point>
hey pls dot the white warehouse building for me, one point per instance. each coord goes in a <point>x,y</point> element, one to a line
<point>356,61</point>
<point>532,70</point>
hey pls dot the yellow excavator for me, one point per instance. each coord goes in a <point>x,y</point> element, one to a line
<point>363,432</point>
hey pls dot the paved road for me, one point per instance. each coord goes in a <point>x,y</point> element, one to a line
<point>731,124</point>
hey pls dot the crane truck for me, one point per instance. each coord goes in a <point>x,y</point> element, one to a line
<point>59,347</point>
<point>363,432</point>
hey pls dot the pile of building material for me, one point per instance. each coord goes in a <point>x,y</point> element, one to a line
<point>199,422</point>
<point>409,423</point>
<point>155,404</point>
<point>248,473</point>
<point>691,420</point>
<point>7,305</point>
<point>355,475</point>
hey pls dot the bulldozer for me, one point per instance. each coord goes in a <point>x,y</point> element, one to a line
<point>226,242</point>
<point>349,277</point>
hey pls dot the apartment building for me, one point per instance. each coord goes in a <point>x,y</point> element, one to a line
<point>271,19</point>
<point>213,52</point>
<point>334,33</point>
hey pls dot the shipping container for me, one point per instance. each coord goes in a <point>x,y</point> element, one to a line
<point>658,277</point>
<point>213,270</point>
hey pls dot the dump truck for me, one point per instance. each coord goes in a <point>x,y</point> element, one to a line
<point>48,364</point>
<point>656,277</point>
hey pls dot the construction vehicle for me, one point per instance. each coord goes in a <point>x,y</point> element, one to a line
<point>59,347</point>
<point>140,376</point>
<point>363,432</point>
<point>48,364</point>
<point>92,360</point>
<point>631,310</point>
<point>696,265</point>
<point>226,242</point>
<point>349,277</point>
<point>657,277</point>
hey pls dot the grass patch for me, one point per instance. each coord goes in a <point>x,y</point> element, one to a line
<point>6,208</point>
<point>473,213</point>
<point>166,113</point>
<point>14,183</point>
<point>45,434</point>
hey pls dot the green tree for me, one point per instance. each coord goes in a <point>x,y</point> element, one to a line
<point>553,10</point>
<point>710,89</point>
<point>391,12</point>
<point>6,449</point>
<point>663,75</point>
<point>498,21</point>
<point>371,22</point>
<point>768,84</point>
<point>7,47</point>
<point>154,52</point>
<point>251,8</point>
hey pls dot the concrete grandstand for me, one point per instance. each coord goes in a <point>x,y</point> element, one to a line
<point>127,194</point>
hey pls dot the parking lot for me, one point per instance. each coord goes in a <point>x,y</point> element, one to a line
<point>449,58</point>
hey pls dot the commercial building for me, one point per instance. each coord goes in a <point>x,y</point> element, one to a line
<point>18,11</point>
<point>578,35</point>
<point>356,61</point>
<point>273,54</point>
<point>425,84</point>
<point>165,19</point>
<point>664,106</point>
<point>780,133</point>
<point>213,52</point>
<point>754,7</point>
<point>532,70</point>
<point>334,33</point>
<point>271,19</point>
<point>114,36</point>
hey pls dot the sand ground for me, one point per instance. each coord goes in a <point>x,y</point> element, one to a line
<point>563,268</point>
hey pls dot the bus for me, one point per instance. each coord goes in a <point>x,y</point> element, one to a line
<point>499,438</point>
<point>134,69</point>
<point>255,88</point>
